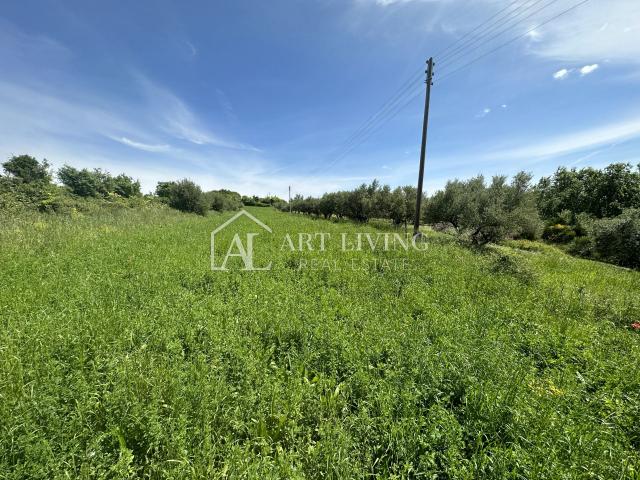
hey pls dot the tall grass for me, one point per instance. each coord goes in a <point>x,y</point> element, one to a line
<point>124,356</point>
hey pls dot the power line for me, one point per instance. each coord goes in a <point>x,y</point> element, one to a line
<point>397,108</point>
<point>364,129</point>
<point>448,74</point>
<point>386,107</point>
<point>471,47</point>
<point>393,106</point>
<point>442,52</point>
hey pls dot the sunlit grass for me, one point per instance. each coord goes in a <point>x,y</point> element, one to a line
<point>123,355</point>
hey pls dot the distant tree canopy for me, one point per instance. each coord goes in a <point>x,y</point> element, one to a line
<point>268,201</point>
<point>97,183</point>
<point>599,193</point>
<point>361,204</point>
<point>488,213</point>
<point>26,169</point>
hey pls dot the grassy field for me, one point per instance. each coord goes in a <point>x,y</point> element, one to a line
<point>123,355</point>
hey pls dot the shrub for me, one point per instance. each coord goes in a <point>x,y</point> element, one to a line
<point>617,240</point>
<point>221,200</point>
<point>184,195</point>
<point>581,246</point>
<point>503,263</point>
<point>559,233</point>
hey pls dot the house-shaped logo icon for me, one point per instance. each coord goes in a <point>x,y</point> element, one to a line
<point>237,248</point>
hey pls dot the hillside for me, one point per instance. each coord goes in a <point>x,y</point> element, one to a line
<point>124,355</point>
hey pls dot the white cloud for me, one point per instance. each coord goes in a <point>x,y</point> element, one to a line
<point>560,74</point>
<point>574,142</point>
<point>141,146</point>
<point>587,69</point>
<point>595,30</point>
<point>504,105</point>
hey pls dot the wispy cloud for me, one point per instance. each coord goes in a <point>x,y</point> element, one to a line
<point>141,146</point>
<point>561,74</point>
<point>178,120</point>
<point>595,30</point>
<point>574,142</point>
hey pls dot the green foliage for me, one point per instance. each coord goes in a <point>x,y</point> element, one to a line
<point>184,195</point>
<point>223,200</point>
<point>97,183</point>
<point>504,262</point>
<point>599,193</point>
<point>269,201</point>
<point>124,356</point>
<point>487,213</point>
<point>361,204</point>
<point>26,169</point>
<point>617,240</point>
<point>126,187</point>
<point>559,233</point>
<point>581,247</point>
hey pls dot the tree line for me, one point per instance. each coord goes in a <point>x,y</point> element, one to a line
<point>590,212</point>
<point>28,183</point>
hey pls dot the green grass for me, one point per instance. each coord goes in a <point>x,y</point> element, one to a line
<point>122,356</point>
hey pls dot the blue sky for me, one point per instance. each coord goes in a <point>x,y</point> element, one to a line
<point>255,96</point>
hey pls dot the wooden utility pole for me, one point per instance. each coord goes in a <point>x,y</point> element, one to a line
<point>289,198</point>
<point>423,148</point>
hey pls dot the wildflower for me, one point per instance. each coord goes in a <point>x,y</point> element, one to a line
<point>635,325</point>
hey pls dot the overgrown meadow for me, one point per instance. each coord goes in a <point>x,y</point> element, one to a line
<point>122,355</point>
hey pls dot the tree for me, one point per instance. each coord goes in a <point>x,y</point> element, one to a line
<point>80,182</point>
<point>447,206</point>
<point>328,204</point>
<point>487,213</point>
<point>599,193</point>
<point>27,169</point>
<point>96,183</point>
<point>164,189</point>
<point>125,186</point>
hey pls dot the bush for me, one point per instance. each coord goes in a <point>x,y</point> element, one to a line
<point>184,195</point>
<point>221,200</point>
<point>559,233</point>
<point>503,263</point>
<point>617,240</point>
<point>581,247</point>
